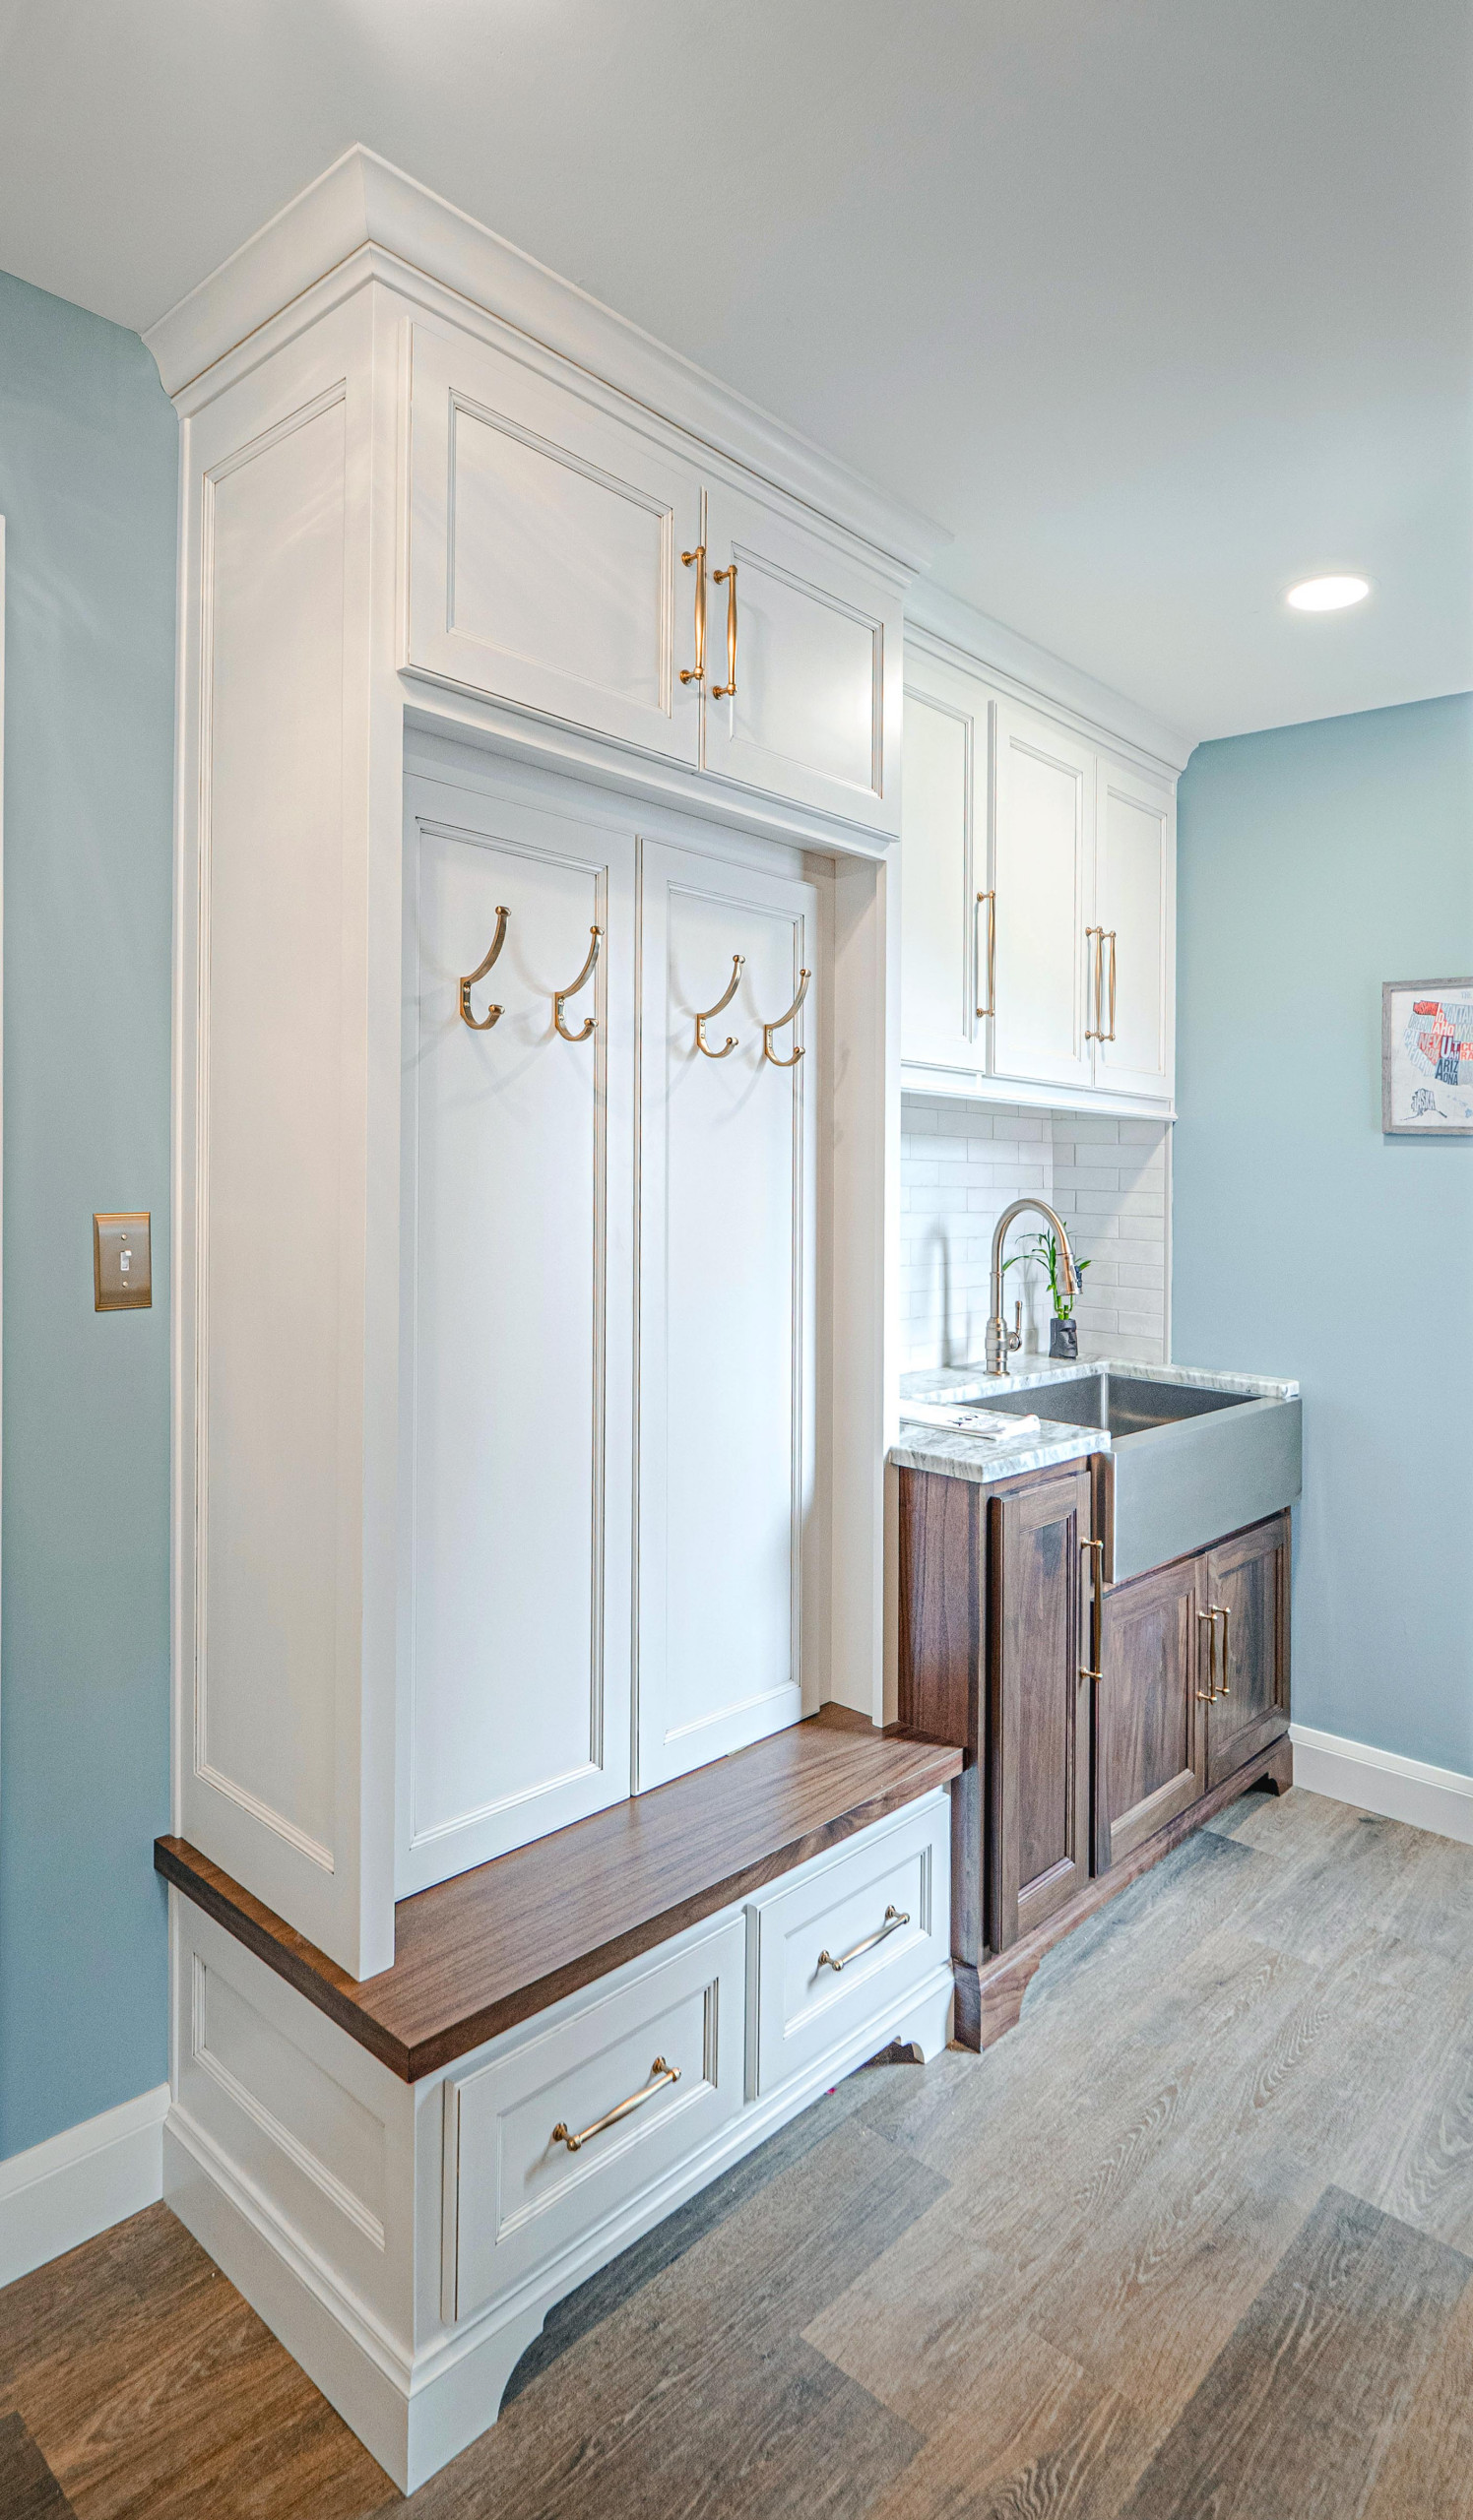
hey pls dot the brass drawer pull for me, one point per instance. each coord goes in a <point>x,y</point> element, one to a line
<point>1093,1669</point>
<point>660,2074</point>
<point>1208,1695</point>
<point>990,900</point>
<point>1110,1036</point>
<point>894,1919</point>
<point>727,578</point>
<point>696,560</point>
<point>1223,1689</point>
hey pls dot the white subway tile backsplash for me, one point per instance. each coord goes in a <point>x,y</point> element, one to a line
<point>961,1164</point>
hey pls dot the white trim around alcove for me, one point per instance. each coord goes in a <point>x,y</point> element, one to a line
<point>1439,1800</point>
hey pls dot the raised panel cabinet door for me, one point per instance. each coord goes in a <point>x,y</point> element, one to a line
<point>1135,911</point>
<point>1043,882</point>
<point>547,531</point>
<point>727,1541</point>
<point>1038,1750</point>
<point>945,911</point>
<point>1150,1729</point>
<point>518,1302</point>
<point>1247,1591</point>
<point>811,641</point>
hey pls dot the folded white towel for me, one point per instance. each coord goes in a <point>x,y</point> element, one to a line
<point>995,1425</point>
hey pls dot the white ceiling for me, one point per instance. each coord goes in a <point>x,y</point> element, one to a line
<point>1156,304</point>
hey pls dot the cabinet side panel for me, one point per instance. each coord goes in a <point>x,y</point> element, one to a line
<point>272,936</point>
<point>940,1608</point>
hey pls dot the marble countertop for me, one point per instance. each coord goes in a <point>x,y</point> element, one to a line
<point>982,1458</point>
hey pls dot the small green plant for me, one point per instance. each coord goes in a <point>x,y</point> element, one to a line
<point>1044,1250</point>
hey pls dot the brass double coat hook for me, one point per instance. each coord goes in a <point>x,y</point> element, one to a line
<point>768,1029</point>
<point>560,996</point>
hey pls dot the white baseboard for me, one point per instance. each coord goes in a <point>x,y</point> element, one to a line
<point>1381,1780</point>
<point>80,2183</point>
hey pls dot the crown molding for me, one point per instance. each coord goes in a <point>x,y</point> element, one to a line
<point>361,200</point>
<point>969,637</point>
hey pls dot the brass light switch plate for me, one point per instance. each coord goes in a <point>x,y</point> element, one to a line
<point>122,1263</point>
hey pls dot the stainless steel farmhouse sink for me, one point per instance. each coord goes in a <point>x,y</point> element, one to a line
<point>1188,1459</point>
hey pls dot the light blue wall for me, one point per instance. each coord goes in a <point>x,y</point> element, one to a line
<point>1316,862</point>
<point>88,472</point>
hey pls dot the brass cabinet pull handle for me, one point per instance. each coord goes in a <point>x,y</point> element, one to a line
<point>991,899</point>
<point>1095,1032</point>
<point>1094,1669</point>
<point>724,999</point>
<point>660,2074</point>
<point>895,1917</point>
<point>1208,1695</point>
<point>468,979</point>
<point>696,560</point>
<point>561,996</point>
<point>776,1026</point>
<point>1223,1689</point>
<point>727,578</point>
<point>1110,1036</point>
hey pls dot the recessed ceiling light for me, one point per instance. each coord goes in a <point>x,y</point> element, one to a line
<point>1327,594</point>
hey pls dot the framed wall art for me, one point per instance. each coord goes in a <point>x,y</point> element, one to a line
<point>1427,1059</point>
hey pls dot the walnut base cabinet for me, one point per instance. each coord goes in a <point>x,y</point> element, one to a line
<point>1194,1682</point>
<point>1075,1784</point>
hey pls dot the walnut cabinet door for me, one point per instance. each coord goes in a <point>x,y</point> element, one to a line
<point>1038,1704</point>
<point>1150,1716</point>
<point>1246,1595</point>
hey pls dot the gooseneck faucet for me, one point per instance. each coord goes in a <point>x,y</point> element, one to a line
<point>1001,1340</point>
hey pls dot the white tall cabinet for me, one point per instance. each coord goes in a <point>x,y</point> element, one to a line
<point>1038,892</point>
<point>513,1471</point>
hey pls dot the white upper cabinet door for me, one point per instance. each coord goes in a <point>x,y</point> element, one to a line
<point>812,642</point>
<point>1135,893</point>
<point>727,1549</point>
<point>545,549</point>
<point>1042,877</point>
<point>518,1279</point>
<point>945,911</point>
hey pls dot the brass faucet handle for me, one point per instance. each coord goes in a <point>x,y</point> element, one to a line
<point>1015,1335</point>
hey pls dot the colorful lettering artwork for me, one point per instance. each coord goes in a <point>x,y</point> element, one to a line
<point>1427,1058</point>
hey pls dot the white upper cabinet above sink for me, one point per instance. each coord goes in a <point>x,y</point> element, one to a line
<point>1038,870</point>
<point>1043,900</point>
<point>945,927</point>
<point>1135,910</point>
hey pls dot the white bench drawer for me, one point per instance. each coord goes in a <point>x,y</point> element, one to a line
<point>517,2193</point>
<point>880,1909</point>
